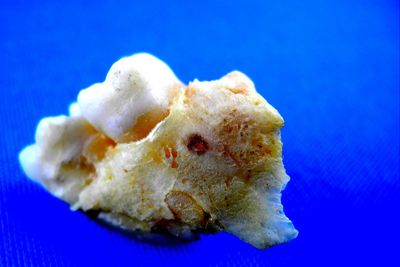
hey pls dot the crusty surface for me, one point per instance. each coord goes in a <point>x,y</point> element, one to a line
<point>214,162</point>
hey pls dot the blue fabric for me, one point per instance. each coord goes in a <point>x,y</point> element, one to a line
<point>331,67</point>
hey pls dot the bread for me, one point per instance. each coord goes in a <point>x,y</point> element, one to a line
<point>152,155</point>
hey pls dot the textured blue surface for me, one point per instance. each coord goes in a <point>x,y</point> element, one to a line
<point>330,67</point>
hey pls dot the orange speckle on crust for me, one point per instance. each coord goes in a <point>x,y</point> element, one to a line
<point>189,91</point>
<point>239,90</point>
<point>266,151</point>
<point>228,153</point>
<point>167,153</point>
<point>174,153</point>
<point>247,176</point>
<point>174,164</point>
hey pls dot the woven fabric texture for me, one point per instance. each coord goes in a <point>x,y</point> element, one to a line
<point>331,67</point>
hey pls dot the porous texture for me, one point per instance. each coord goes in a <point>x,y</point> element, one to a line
<point>212,161</point>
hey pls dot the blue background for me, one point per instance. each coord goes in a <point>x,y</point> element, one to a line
<point>330,67</point>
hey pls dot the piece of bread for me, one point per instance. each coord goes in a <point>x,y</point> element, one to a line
<point>148,153</point>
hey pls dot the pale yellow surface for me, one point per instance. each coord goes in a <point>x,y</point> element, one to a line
<point>213,162</point>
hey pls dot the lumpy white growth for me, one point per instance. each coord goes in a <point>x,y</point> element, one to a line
<point>134,86</point>
<point>59,141</point>
<point>146,152</point>
<point>74,110</point>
